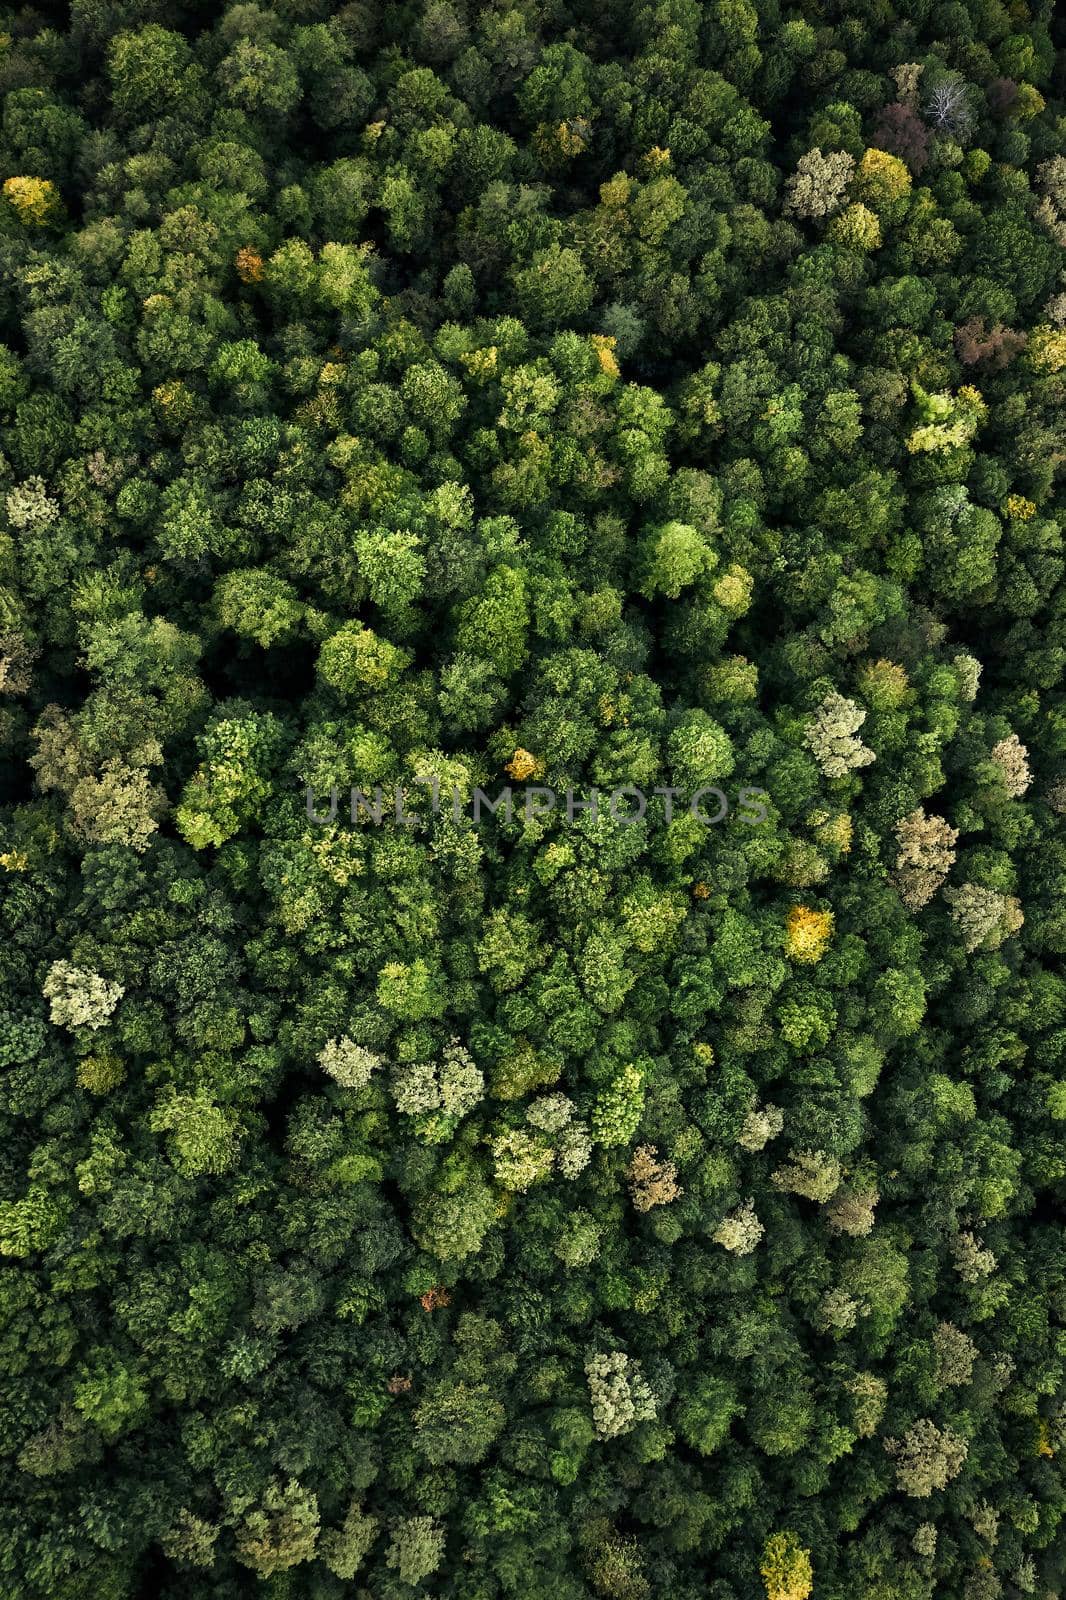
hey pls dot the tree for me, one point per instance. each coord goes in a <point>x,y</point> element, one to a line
<point>739,1231</point>
<point>347,1063</point>
<point>811,1173</point>
<point>786,1568</point>
<point>416,1548</point>
<point>926,856</point>
<point>281,1532</point>
<point>652,1182</point>
<point>232,780</point>
<point>819,184</point>
<point>985,917</point>
<point>927,1457</point>
<point>344,1549</point>
<point>833,736</point>
<point>34,201</point>
<point>619,1393</point>
<point>554,289</point>
<point>672,557</point>
<point>80,998</point>
<point>149,67</point>
<point>458,1422</point>
<point>901,131</point>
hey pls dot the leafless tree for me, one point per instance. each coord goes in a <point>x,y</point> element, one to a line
<point>948,106</point>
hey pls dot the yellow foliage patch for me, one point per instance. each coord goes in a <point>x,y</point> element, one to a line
<point>522,765</point>
<point>34,199</point>
<point>604,346</point>
<point>881,176</point>
<point>786,1568</point>
<point>249,264</point>
<point>1047,349</point>
<point>807,933</point>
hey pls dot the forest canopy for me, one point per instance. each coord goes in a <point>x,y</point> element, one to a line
<point>662,397</point>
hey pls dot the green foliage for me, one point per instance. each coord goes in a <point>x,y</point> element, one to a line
<point>626,401</point>
<point>232,778</point>
<point>458,1422</point>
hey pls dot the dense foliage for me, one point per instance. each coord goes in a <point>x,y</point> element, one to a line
<point>585,394</point>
